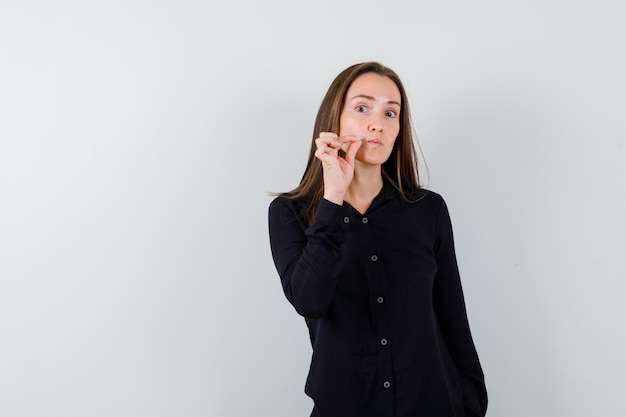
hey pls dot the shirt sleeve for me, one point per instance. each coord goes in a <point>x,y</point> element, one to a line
<point>308,259</point>
<point>449,305</point>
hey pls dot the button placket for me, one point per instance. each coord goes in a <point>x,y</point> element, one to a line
<point>380,313</point>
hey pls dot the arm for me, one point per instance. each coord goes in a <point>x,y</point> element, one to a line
<point>452,316</point>
<point>307,259</point>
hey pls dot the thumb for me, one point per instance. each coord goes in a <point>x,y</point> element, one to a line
<point>352,150</point>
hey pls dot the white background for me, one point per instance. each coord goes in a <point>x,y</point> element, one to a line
<point>139,139</point>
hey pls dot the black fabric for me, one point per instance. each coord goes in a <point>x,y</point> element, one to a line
<point>382,298</point>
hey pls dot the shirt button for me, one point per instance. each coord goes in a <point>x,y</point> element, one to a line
<point>365,220</point>
<point>383,342</point>
<point>346,219</point>
<point>380,300</point>
<point>386,384</point>
<point>374,258</point>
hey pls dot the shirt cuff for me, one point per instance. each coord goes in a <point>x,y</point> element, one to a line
<point>331,214</point>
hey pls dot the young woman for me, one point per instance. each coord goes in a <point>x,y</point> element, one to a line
<point>367,257</point>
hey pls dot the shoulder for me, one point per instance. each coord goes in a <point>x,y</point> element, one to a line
<point>285,207</point>
<point>286,201</point>
<point>281,203</point>
<point>425,193</point>
<point>280,200</point>
<point>426,197</point>
<point>420,199</point>
<point>427,204</point>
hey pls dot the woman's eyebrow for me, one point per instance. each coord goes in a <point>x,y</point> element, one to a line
<point>373,99</point>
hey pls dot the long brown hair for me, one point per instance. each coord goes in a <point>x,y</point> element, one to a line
<point>400,169</point>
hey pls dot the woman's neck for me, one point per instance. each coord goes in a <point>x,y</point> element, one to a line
<point>365,186</point>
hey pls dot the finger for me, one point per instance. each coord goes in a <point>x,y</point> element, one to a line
<point>330,141</point>
<point>328,136</point>
<point>325,152</point>
<point>353,147</point>
<point>334,139</point>
<point>349,139</point>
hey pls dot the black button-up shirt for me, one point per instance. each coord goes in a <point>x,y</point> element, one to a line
<point>382,298</point>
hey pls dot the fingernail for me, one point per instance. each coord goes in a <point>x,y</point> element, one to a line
<point>338,143</point>
<point>359,137</point>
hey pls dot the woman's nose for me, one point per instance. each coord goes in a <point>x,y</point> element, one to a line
<point>376,122</point>
<point>376,127</point>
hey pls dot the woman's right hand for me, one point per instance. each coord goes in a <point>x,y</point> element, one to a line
<point>338,171</point>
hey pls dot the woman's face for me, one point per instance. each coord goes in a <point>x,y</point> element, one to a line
<point>372,110</point>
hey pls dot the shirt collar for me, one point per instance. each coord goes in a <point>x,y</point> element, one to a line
<point>389,191</point>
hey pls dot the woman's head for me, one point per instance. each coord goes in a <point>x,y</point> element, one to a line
<point>400,168</point>
<point>328,115</point>
<point>371,109</point>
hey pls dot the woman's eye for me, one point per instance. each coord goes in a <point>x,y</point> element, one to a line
<point>361,108</point>
<point>391,113</point>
